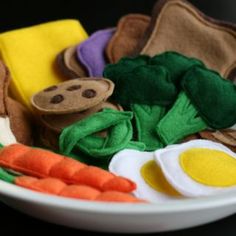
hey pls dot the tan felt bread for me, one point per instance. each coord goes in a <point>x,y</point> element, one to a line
<point>130,30</point>
<point>72,96</point>
<point>69,65</point>
<point>19,117</point>
<point>176,25</point>
<point>58,122</point>
<point>226,137</point>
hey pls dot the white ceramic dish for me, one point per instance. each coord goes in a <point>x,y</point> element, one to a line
<point>125,218</point>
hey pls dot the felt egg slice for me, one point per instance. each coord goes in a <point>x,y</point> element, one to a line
<point>198,168</point>
<point>141,168</point>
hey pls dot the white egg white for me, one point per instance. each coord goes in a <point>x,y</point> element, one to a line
<point>128,163</point>
<point>168,160</point>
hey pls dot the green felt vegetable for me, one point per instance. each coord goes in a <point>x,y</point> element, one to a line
<point>147,86</point>
<point>213,96</point>
<point>177,64</point>
<point>181,121</point>
<point>146,118</point>
<point>207,100</point>
<point>146,80</point>
<point>79,137</point>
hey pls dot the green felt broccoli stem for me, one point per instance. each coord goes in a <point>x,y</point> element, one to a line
<point>146,119</point>
<point>181,120</point>
<point>5,176</point>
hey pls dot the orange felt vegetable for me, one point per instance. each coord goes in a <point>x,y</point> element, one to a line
<point>43,164</point>
<point>57,187</point>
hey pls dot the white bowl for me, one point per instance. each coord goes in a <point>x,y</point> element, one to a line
<point>115,217</point>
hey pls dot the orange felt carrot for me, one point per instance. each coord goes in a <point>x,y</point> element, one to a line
<point>57,187</point>
<point>42,164</point>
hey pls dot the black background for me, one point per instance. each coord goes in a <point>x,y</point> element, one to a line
<point>94,15</point>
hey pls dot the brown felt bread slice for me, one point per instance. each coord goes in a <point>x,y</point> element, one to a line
<point>72,96</point>
<point>58,122</point>
<point>177,25</point>
<point>69,65</point>
<point>226,137</point>
<point>20,119</point>
<point>130,30</point>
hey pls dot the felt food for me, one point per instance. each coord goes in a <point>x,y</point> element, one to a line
<point>15,121</point>
<point>57,187</point>
<point>178,26</point>
<point>80,138</point>
<point>52,125</point>
<point>226,137</point>
<point>198,105</point>
<point>198,168</point>
<point>142,169</point>
<point>58,122</point>
<point>157,78</point>
<point>40,163</point>
<point>69,64</point>
<point>30,54</point>
<point>124,42</point>
<point>91,53</point>
<point>157,88</point>
<point>72,96</point>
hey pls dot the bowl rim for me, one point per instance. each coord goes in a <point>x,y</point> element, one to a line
<point>8,190</point>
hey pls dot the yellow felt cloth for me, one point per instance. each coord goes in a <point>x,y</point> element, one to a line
<point>154,177</point>
<point>209,167</point>
<point>30,54</point>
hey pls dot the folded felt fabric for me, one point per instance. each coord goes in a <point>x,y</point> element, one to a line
<point>81,136</point>
<point>30,53</point>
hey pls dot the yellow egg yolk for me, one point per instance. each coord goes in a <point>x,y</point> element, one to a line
<point>209,167</point>
<point>154,177</point>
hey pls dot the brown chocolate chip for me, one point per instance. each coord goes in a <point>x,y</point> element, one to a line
<point>57,99</point>
<point>50,88</point>
<point>89,93</point>
<point>73,87</point>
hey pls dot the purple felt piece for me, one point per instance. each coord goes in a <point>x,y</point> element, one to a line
<point>91,52</point>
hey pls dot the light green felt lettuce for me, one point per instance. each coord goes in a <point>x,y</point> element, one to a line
<point>79,140</point>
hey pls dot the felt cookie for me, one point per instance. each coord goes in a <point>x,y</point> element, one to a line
<point>178,26</point>
<point>130,30</point>
<point>91,52</point>
<point>226,137</point>
<point>15,121</point>
<point>30,55</point>
<point>59,122</point>
<point>69,65</point>
<point>72,96</point>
